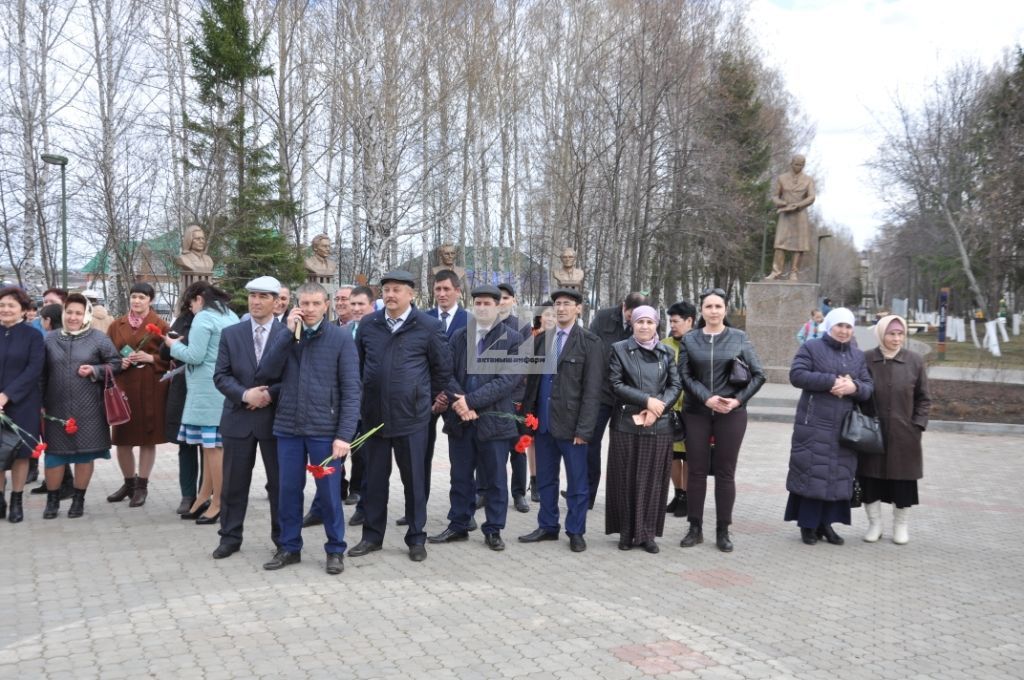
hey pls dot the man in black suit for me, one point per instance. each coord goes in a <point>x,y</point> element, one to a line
<point>610,324</point>
<point>248,416</point>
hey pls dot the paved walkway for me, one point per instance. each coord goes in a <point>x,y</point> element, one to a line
<point>128,593</point>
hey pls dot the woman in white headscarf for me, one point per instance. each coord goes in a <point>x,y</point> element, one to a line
<point>77,357</point>
<point>902,403</point>
<point>833,375</point>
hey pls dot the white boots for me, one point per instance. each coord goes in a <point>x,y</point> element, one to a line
<point>874,511</point>
<point>900,536</point>
<point>899,526</point>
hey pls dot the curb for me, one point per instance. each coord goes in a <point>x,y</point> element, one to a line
<point>774,415</point>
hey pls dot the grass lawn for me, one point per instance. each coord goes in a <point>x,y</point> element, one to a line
<point>967,355</point>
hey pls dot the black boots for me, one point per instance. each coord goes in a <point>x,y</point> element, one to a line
<point>808,536</point>
<point>52,504</point>
<point>15,513</point>
<point>77,508</point>
<point>677,506</point>
<point>534,493</point>
<point>126,490</point>
<point>139,493</point>
<point>722,539</point>
<point>694,536</point>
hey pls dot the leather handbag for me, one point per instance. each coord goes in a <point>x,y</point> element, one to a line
<point>739,374</point>
<point>115,401</point>
<point>678,427</point>
<point>862,433</point>
<point>9,443</point>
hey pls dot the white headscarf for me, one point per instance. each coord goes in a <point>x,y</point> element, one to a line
<point>839,315</point>
<point>86,321</point>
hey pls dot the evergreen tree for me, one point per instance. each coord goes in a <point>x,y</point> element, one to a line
<point>247,239</point>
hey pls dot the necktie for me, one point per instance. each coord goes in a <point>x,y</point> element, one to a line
<point>559,343</point>
<point>355,325</point>
<point>481,343</point>
<point>444,320</point>
<point>257,342</point>
<point>392,323</point>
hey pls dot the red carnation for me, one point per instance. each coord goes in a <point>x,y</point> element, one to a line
<point>154,330</point>
<point>316,471</point>
<point>71,426</point>
<point>524,443</point>
<point>38,451</point>
<point>531,421</point>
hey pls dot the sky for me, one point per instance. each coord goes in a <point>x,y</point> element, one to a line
<point>844,62</point>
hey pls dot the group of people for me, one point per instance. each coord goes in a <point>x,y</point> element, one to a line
<point>302,389</point>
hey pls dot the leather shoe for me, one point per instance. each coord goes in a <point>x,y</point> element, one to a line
<point>651,546</point>
<point>363,548</point>
<point>538,535</point>
<point>311,520</point>
<point>198,512</point>
<point>224,550</point>
<point>808,536</point>
<point>185,505</point>
<point>358,517</point>
<point>402,521</point>
<point>417,553</point>
<point>449,535</point>
<point>829,534</point>
<point>722,539</point>
<point>521,504</point>
<point>494,541</point>
<point>335,563</point>
<point>203,519</point>
<point>353,499</point>
<point>576,543</point>
<point>282,559</point>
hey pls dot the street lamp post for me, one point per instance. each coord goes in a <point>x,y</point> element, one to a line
<point>62,161</point>
<point>817,264</point>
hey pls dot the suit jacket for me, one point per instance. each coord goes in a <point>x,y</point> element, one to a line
<point>486,392</point>
<point>235,373</point>
<point>576,390</point>
<point>458,320</point>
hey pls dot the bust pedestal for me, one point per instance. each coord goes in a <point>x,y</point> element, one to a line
<point>189,277</point>
<point>775,311</point>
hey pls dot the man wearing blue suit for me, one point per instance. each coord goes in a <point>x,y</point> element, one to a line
<point>405,361</point>
<point>316,419</point>
<point>248,416</point>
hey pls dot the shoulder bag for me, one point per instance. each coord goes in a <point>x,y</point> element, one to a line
<point>862,433</point>
<point>115,400</point>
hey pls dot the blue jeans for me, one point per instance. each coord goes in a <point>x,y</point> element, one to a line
<point>550,452</point>
<point>293,453</point>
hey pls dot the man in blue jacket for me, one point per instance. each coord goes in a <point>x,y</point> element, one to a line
<point>316,419</point>
<point>405,362</point>
<point>477,438</point>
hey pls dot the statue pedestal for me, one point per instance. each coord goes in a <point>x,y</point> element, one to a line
<point>775,311</point>
<point>188,278</point>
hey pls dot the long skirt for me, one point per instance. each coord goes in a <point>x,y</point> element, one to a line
<point>811,513</point>
<point>900,492</point>
<point>637,485</point>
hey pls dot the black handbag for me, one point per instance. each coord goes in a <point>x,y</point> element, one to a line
<point>678,427</point>
<point>9,443</point>
<point>862,433</point>
<point>739,374</point>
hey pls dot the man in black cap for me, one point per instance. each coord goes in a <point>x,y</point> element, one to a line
<point>405,360</point>
<point>565,399</point>
<point>478,438</point>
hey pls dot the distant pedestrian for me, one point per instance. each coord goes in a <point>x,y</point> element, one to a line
<point>813,328</point>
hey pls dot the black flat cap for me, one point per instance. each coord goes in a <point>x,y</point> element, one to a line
<point>486,290</point>
<point>507,287</point>
<point>398,276</point>
<point>569,293</point>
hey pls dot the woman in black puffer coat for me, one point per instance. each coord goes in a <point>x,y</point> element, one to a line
<point>833,375</point>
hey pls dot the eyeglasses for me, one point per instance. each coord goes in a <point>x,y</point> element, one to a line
<point>712,291</point>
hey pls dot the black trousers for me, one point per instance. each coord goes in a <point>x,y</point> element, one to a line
<point>428,460</point>
<point>604,414</point>
<point>239,461</point>
<point>409,454</point>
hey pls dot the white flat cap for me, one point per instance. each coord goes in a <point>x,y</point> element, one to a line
<point>264,284</point>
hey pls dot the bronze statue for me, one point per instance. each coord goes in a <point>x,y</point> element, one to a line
<point>792,194</point>
<point>193,257</point>
<point>319,265</point>
<point>446,254</point>
<point>569,276</point>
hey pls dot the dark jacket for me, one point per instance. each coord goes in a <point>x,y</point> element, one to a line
<point>705,362</point>
<point>319,394</point>
<point>607,325</point>
<point>21,370</point>
<point>902,403</point>
<point>236,372</point>
<point>177,389</point>
<point>402,371</point>
<point>576,391</point>
<point>637,374</point>
<point>819,467</point>
<point>459,319</point>
<point>492,392</point>
<point>68,395</point>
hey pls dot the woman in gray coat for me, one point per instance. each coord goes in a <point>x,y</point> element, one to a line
<point>902,403</point>
<point>832,374</point>
<point>77,357</point>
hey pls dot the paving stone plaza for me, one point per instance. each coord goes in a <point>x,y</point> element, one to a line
<point>129,593</point>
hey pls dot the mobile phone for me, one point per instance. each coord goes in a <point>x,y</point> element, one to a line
<point>173,334</point>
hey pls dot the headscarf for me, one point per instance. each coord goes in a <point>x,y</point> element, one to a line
<point>645,312</point>
<point>839,315</point>
<point>86,320</point>
<point>882,327</point>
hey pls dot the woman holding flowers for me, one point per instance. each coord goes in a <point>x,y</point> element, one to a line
<point>77,357</point>
<point>200,420</point>
<point>646,384</point>
<point>21,364</point>
<point>137,338</point>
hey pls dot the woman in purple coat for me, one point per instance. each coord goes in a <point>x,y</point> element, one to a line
<point>832,374</point>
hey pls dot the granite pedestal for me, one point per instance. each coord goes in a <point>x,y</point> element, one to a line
<point>775,310</point>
